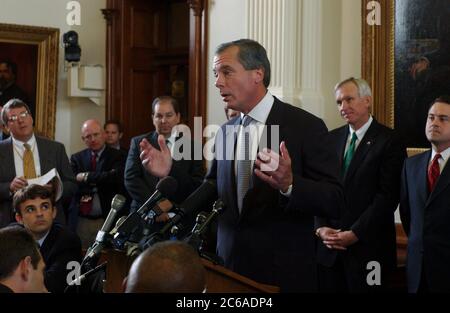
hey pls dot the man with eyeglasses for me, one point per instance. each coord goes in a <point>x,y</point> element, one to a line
<point>99,174</point>
<point>425,206</point>
<point>25,156</point>
<point>185,169</point>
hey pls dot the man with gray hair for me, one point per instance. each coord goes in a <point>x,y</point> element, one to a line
<point>371,157</point>
<point>25,156</point>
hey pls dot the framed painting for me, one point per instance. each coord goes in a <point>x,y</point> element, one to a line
<point>406,60</point>
<point>32,55</point>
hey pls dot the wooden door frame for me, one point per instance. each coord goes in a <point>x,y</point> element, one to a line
<point>198,59</point>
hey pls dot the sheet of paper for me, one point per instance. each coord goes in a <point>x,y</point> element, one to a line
<point>52,177</point>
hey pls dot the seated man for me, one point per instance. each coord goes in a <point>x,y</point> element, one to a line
<point>21,264</point>
<point>169,266</point>
<point>99,173</point>
<point>35,210</point>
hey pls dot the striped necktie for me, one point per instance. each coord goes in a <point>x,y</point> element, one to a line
<point>244,162</point>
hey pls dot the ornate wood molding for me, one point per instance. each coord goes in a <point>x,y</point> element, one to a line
<point>378,60</point>
<point>47,42</point>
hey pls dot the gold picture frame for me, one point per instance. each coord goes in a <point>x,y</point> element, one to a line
<point>46,41</point>
<point>378,62</point>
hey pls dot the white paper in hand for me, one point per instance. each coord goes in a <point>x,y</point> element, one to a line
<point>51,177</point>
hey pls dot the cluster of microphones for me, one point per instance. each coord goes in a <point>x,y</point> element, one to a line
<point>133,233</point>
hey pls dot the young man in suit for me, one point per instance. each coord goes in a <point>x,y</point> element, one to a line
<point>21,264</point>
<point>425,203</point>
<point>35,210</point>
<point>25,155</point>
<point>371,158</point>
<point>187,171</point>
<point>113,131</point>
<point>266,231</point>
<point>99,174</point>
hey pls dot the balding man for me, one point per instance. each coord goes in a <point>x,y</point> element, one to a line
<point>170,266</point>
<point>99,173</point>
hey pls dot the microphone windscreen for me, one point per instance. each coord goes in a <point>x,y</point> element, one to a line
<point>118,202</point>
<point>167,186</point>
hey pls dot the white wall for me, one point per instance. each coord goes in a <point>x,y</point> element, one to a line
<point>341,49</point>
<point>226,23</point>
<point>92,34</point>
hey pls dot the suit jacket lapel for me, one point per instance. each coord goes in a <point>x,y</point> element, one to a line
<point>363,148</point>
<point>8,159</point>
<point>43,156</point>
<point>442,183</point>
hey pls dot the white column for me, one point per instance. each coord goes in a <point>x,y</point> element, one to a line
<point>311,97</point>
<point>290,30</point>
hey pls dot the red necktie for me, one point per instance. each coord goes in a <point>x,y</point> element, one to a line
<point>433,172</point>
<point>93,161</point>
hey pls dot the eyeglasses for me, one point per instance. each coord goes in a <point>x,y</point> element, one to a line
<point>14,118</point>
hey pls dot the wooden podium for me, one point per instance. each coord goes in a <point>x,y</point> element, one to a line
<point>218,278</point>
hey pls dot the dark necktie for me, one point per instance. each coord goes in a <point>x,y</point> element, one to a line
<point>93,161</point>
<point>433,172</point>
<point>349,154</point>
<point>244,164</point>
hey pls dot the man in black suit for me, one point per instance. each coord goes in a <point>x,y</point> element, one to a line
<point>186,170</point>
<point>425,203</point>
<point>267,229</point>
<point>99,173</point>
<point>21,264</point>
<point>42,155</point>
<point>35,210</point>
<point>371,157</point>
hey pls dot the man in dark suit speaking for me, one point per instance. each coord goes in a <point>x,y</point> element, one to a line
<point>267,230</point>
<point>371,158</point>
<point>425,206</point>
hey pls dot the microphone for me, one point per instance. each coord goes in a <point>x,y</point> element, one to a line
<point>218,208</point>
<point>204,194</point>
<point>165,188</point>
<point>116,204</point>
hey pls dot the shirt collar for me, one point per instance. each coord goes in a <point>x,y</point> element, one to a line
<point>19,144</point>
<point>41,241</point>
<point>261,111</point>
<point>444,154</point>
<point>362,130</point>
<point>99,152</point>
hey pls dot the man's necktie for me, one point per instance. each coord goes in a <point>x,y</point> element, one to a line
<point>29,171</point>
<point>433,172</point>
<point>93,161</point>
<point>244,162</point>
<point>349,154</point>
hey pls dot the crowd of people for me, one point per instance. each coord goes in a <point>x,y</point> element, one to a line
<point>307,214</point>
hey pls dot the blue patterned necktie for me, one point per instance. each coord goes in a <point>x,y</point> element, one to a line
<point>244,164</point>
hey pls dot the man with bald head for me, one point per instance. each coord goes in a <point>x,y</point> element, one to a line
<point>99,174</point>
<point>170,266</point>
